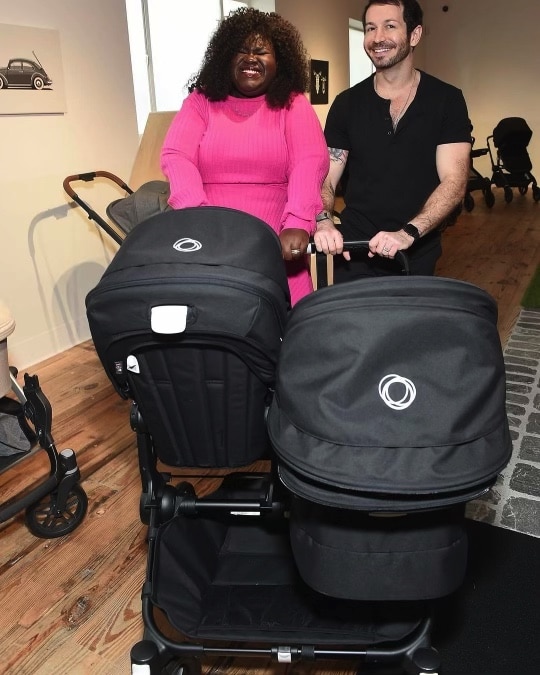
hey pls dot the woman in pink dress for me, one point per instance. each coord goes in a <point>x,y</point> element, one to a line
<point>247,138</point>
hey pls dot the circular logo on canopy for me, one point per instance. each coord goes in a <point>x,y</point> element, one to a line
<point>400,386</point>
<point>187,245</point>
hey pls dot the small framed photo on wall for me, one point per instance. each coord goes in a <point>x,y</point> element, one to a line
<point>31,77</point>
<point>319,82</point>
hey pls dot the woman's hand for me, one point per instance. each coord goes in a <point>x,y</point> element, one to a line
<point>294,242</point>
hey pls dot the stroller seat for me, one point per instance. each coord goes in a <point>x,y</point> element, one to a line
<point>511,163</point>
<point>317,556</point>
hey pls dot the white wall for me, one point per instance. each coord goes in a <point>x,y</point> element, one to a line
<point>490,50</point>
<point>51,253</point>
<point>324,27</point>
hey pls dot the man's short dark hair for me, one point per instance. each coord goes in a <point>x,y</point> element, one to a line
<point>412,12</point>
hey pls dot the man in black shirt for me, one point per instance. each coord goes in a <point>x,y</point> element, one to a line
<point>405,138</point>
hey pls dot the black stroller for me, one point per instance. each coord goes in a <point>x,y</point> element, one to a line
<point>378,409</point>
<point>477,181</point>
<point>58,504</point>
<point>511,163</point>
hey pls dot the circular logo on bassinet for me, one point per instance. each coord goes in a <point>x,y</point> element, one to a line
<point>401,386</point>
<point>187,245</point>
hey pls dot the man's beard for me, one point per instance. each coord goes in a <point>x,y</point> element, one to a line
<point>402,52</point>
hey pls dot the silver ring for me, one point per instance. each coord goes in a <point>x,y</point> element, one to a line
<point>295,251</point>
<point>385,250</point>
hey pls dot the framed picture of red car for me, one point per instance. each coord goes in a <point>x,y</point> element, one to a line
<point>319,82</point>
<point>31,77</point>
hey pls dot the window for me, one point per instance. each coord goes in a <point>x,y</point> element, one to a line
<point>360,65</point>
<point>230,5</point>
<point>167,40</point>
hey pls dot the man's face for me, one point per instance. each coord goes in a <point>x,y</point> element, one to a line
<point>385,36</point>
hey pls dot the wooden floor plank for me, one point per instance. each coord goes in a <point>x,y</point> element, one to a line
<point>72,605</point>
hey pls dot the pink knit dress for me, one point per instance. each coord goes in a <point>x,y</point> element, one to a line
<point>241,154</point>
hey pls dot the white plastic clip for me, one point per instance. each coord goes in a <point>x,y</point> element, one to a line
<point>169,319</point>
<point>132,364</point>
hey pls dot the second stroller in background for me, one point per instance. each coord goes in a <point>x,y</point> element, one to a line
<point>510,161</point>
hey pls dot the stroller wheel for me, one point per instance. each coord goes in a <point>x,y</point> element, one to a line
<point>489,197</point>
<point>45,520</point>
<point>522,189</point>
<point>508,195</point>
<point>468,202</point>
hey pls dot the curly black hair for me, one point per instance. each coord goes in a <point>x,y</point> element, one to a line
<point>214,78</point>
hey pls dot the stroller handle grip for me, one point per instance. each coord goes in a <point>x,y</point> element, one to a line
<point>401,257</point>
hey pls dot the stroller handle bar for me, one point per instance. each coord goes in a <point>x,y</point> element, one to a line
<point>93,215</point>
<point>90,176</point>
<point>401,258</point>
<point>359,245</point>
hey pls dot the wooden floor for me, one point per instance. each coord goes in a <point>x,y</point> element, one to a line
<point>71,605</point>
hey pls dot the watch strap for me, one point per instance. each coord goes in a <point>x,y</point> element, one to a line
<point>323,215</point>
<point>411,230</point>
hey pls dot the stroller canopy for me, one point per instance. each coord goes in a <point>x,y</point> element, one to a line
<point>224,266</point>
<point>512,131</point>
<point>391,394</point>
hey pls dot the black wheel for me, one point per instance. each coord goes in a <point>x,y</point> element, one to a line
<point>489,197</point>
<point>468,202</point>
<point>38,83</point>
<point>536,194</point>
<point>45,520</point>
<point>508,195</point>
<point>3,83</point>
<point>522,189</point>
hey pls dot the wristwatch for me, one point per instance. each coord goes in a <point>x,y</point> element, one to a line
<point>323,215</point>
<point>411,230</point>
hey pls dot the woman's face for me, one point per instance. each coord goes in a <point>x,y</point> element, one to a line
<point>253,68</point>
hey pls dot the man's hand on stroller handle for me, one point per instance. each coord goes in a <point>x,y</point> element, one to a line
<point>347,246</point>
<point>389,244</point>
<point>329,240</point>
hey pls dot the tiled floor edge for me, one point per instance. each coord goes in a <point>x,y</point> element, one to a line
<point>514,502</point>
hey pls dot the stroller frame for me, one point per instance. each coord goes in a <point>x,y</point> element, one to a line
<point>260,498</point>
<point>57,505</point>
<point>477,182</point>
<point>157,653</point>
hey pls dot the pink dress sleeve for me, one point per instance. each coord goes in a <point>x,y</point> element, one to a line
<point>179,154</point>
<point>308,165</point>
